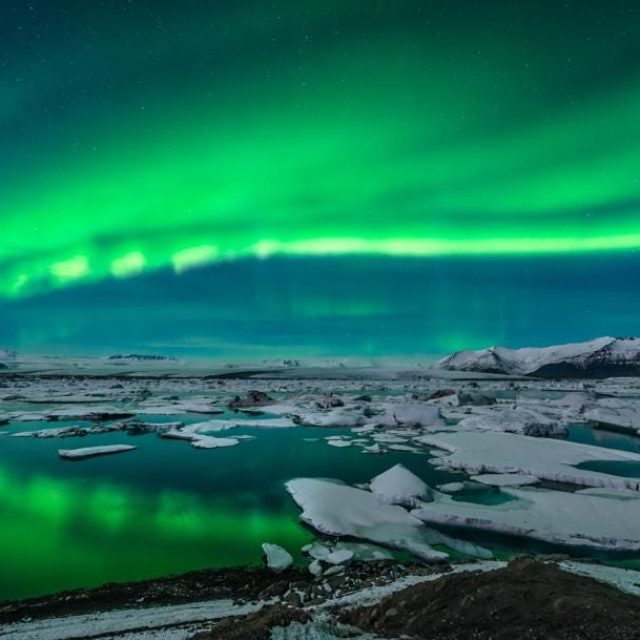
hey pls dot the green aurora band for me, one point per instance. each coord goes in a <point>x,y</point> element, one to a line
<point>388,139</point>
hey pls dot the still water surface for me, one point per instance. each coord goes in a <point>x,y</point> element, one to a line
<point>167,507</point>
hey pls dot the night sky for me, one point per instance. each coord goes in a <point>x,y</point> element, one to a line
<point>243,179</point>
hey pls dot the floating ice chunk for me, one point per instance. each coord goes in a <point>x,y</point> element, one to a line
<point>409,414</point>
<point>99,413</point>
<point>178,434</point>
<point>387,438</point>
<point>278,559</point>
<point>622,494</point>
<point>398,485</point>
<point>60,432</point>
<point>625,417</point>
<point>452,487</point>
<point>367,428</point>
<point>335,509</point>
<point>506,479</point>
<point>340,556</point>
<point>338,510</point>
<point>200,407</point>
<point>571,403</point>
<point>211,442</point>
<point>364,552</point>
<point>545,458</point>
<point>211,426</point>
<point>374,448</point>
<point>28,417</point>
<point>317,550</point>
<point>339,443</point>
<point>556,517</point>
<point>525,421</point>
<point>340,417</point>
<point>91,452</point>
<point>360,551</point>
<point>282,409</point>
<point>404,447</point>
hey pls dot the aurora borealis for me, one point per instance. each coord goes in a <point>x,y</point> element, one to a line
<point>319,176</point>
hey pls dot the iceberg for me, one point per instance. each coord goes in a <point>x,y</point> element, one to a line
<point>278,559</point>
<point>211,442</point>
<point>557,517</point>
<point>525,421</point>
<point>335,509</point>
<point>398,485</point>
<point>547,459</point>
<point>506,479</point>
<point>91,452</point>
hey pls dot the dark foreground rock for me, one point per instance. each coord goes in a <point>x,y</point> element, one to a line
<point>528,600</point>
<point>239,584</point>
<point>256,626</point>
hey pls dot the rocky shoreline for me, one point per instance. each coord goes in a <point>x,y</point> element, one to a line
<point>294,586</point>
<point>525,599</point>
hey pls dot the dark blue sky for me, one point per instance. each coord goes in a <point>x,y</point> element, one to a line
<point>335,306</point>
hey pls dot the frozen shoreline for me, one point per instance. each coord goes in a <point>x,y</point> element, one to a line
<point>119,611</point>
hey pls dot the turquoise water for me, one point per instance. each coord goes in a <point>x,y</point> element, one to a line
<point>625,469</point>
<point>603,438</point>
<point>164,508</point>
<point>167,507</point>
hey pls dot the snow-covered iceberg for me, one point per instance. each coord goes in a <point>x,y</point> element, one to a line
<point>525,421</point>
<point>545,458</point>
<point>335,509</point>
<point>398,485</point>
<point>614,414</point>
<point>557,517</point>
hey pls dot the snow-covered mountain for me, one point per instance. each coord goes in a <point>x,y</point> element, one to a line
<point>597,358</point>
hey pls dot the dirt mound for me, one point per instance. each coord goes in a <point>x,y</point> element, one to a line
<point>256,626</point>
<point>527,600</point>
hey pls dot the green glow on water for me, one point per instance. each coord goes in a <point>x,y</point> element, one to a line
<point>167,508</point>
<point>85,533</point>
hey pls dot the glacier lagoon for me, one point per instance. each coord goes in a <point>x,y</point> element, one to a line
<point>169,508</point>
<point>166,509</point>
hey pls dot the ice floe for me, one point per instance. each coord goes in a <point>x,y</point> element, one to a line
<point>398,485</point>
<point>507,479</point>
<point>333,508</point>
<point>544,458</point>
<point>211,442</point>
<point>91,452</point>
<point>525,421</point>
<point>278,559</point>
<point>557,517</point>
<point>616,415</point>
